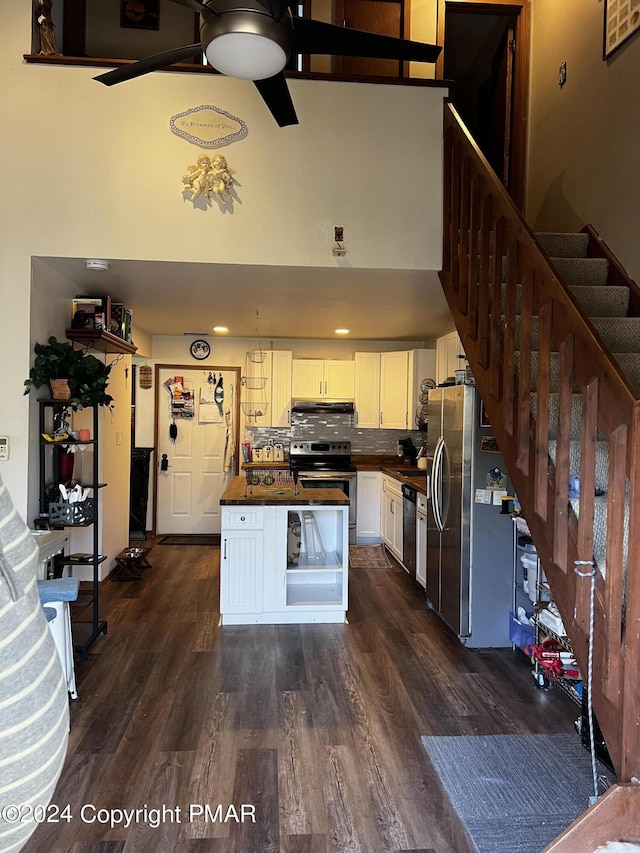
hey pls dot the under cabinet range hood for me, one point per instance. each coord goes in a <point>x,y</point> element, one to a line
<point>323,407</point>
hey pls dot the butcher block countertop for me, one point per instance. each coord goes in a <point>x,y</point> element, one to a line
<point>234,495</point>
<point>394,467</point>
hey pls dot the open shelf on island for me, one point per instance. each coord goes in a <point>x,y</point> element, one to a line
<point>314,594</point>
<point>329,563</point>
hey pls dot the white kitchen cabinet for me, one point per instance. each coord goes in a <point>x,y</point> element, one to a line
<point>367,390</point>
<point>263,581</point>
<point>241,572</point>
<point>315,378</point>
<point>391,515</point>
<point>275,391</point>
<point>393,389</point>
<point>339,379</point>
<point>448,350</point>
<point>387,387</point>
<point>281,388</point>
<point>368,507</point>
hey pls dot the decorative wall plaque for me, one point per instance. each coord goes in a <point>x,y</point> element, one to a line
<point>208,126</point>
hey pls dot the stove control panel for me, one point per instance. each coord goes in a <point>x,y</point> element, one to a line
<point>320,448</point>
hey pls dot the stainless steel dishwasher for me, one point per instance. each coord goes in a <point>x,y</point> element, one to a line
<point>409,529</point>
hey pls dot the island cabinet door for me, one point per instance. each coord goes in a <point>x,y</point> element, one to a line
<point>241,558</point>
<point>274,571</point>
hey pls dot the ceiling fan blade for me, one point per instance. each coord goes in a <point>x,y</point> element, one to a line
<point>276,95</point>
<point>311,36</point>
<point>150,63</point>
<point>197,6</point>
<point>276,8</point>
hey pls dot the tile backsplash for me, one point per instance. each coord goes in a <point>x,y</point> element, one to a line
<point>339,426</point>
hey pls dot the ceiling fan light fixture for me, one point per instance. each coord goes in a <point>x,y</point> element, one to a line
<point>244,41</point>
<point>249,56</point>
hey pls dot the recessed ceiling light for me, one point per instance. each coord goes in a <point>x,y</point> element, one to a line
<point>342,331</point>
<point>220,329</point>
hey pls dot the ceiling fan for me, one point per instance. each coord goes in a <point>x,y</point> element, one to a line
<point>253,40</point>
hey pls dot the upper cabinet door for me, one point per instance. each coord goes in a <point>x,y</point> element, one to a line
<point>367,390</point>
<point>281,388</point>
<point>339,379</point>
<point>448,348</point>
<point>307,378</point>
<point>393,390</point>
<point>317,378</point>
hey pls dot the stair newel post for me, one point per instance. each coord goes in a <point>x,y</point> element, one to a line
<point>630,763</point>
<point>614,583</point>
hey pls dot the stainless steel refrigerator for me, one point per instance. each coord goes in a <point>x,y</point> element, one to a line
<point>469,542</point>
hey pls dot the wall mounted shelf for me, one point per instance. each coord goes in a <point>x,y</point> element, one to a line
<point>99,340</point>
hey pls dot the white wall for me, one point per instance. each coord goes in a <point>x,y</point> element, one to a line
<point>584,157</point>
<point>90,171</point>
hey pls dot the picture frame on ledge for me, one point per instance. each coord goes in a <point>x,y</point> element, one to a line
<point>621,20</point>
<point>140,14</point>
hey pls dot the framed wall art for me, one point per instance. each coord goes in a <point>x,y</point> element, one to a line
<point>621,20</point>
<point>140,14</point>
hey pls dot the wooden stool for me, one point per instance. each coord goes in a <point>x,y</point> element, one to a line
<point>129,564</point>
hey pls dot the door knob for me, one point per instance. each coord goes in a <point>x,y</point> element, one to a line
<point>164,462</point>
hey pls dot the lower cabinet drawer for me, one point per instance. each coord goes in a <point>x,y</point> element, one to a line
<point>242,518</point>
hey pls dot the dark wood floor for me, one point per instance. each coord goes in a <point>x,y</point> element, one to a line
<point>316,726</point>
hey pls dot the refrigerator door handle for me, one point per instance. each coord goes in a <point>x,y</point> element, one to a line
<point>445,485</point>
<point>436,484</point>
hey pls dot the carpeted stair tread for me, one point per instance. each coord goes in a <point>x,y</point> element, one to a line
<point>561,245</point>
<point>619,334</point>
<point>601,457</point>
<point>582,272</point>
<point>608,301</point>
<point>576,416</point>
<point>628,362</point>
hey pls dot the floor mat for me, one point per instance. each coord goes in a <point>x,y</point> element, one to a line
<point>515,793</point>
<point>368,557</point>
<point>190,539</point>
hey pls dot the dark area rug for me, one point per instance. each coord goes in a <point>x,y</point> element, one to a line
<point>190,539</point>
<point>515,793</point>
<point>368,557</point>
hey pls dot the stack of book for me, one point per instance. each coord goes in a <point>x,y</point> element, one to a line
<point>101,314</point>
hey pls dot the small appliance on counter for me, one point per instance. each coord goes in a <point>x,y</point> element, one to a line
<point>421,458</point>
<point>408,451</point>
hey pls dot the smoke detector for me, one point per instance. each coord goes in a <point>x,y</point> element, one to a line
<point>93,264</point>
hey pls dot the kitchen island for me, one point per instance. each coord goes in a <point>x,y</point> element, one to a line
<point>284,554</point>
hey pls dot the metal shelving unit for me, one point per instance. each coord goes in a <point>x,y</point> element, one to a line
<point>84,631</point>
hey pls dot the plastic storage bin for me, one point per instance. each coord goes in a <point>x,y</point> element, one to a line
<point>521,633</point>
<point>530,572</point>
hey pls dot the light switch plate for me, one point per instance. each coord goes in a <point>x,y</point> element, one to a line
<point>4,448</point>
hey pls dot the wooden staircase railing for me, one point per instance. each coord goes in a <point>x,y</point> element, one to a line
<point>482,227</point>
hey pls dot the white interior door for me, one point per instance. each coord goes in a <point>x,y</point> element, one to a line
<point>200,405</point>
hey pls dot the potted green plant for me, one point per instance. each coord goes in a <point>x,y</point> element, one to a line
<point>85,376</point>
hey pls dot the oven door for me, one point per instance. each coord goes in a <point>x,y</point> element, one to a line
<point>334,480</point>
